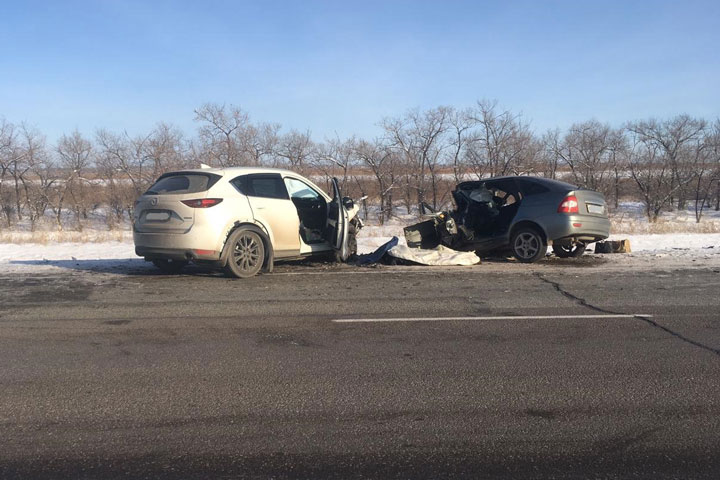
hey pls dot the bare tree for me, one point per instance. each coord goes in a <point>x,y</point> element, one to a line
<point>75,154</point>
<point>37,177</point>
<point>587,150</point>
<point>166,149</point>
<point>220,134</point>
<point>418,137</point>
<point>503,144</point>
<point>8,157</point>
<point>16,144</point>
<point>707,171</point>
<point>128,157</point>
<point>672,162</point>
<point>259,143</point>
<point>296,150</point>
<point>381,161</point>
<point>550,157</point>
<point>619,162</point>
<point>679,140</point>
<point>461,126</point>
<point>714,154</point>
<point>652,171</point>
<point>336,158</point>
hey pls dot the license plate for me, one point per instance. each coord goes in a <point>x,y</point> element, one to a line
<point>157,216</point>
<point>597,209</point>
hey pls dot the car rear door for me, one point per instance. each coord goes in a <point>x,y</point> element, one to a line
<point>271,206</point>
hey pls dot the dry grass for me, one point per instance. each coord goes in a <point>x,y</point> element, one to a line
<point>621,224</point>
<point>663,225</point>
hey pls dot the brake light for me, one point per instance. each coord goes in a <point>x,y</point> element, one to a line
<point>202,202</point>
<point>569,205</point>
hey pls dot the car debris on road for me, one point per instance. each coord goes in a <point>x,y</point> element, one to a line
<point>440,255</point>
<point>613,246</point>
<point>391,252</point>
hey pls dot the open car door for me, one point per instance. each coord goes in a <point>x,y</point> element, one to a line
<point>339,232</point>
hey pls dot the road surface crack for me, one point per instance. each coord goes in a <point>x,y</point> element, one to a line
<point>648,320</point>
<point>575,298</point>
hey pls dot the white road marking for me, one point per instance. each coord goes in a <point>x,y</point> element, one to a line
<point>505,317</point>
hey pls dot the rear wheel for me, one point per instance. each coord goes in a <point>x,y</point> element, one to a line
<point>567,251</point>
<point>528,245</point>
<point>247,254</point>
<point>167,265</point>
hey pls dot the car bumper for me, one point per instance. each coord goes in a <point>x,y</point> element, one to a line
<point>583,228</point>
<point>173,246</point>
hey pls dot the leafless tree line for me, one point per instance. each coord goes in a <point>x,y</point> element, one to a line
<point>419,156</point>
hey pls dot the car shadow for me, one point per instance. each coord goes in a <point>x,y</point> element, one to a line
<point>139,267</point>
<point>585,261</point>
<point>122,266</point>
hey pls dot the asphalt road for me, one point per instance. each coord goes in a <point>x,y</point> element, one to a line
<point>563,370</point>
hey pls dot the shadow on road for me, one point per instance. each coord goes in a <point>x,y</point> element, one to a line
<point>129,266</point>
<point>139,267</point>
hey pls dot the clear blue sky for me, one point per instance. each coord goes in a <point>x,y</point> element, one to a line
<point>339,67</point>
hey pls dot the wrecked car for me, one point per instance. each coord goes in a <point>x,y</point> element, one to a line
<point>522,215</point>
<point>241,219</point>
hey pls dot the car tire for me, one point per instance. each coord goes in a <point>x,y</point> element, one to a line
<point>352,246</point>
<point>352,240</point>
<point>170,266</point>
<point>565,251</point>
<point>246,255</point>
<point>528,245</point>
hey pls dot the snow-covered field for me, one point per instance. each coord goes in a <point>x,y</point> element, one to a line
<point>701,248</point>
<point>95,249</point>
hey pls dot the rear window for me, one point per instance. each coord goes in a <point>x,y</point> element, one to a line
<point>532,188</point>
<point>182,183</point>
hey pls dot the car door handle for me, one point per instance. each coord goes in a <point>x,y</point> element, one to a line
<point>259,208</point>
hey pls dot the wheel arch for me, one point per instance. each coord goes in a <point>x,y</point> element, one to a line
<point>528,224</point>
<point>268,260</point>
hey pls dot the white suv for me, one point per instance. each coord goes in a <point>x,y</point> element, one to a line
<point>241,219</point>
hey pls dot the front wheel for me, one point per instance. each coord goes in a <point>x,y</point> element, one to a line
<point>352,246</point>
<point>567,251</point>
<point>528,245</point>
<point>247,254</point>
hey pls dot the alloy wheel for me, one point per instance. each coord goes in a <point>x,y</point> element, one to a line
<point>247,252</point>
<point>527,245</point>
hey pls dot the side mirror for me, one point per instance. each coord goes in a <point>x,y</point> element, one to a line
<point>348,203</point>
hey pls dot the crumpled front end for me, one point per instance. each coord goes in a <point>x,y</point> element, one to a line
<point>441,229</point>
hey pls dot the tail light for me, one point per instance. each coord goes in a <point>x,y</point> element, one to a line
<point>569,205</point>
<point>202,202</point>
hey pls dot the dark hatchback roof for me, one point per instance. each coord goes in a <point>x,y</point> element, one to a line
<point>547,182</point>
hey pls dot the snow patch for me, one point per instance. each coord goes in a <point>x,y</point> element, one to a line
<point>106,256</point>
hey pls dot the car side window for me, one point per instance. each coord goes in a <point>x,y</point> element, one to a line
<point>531,188</point>
<point>240,184</point>
<point>261,185</point>
<point>299,189</point>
